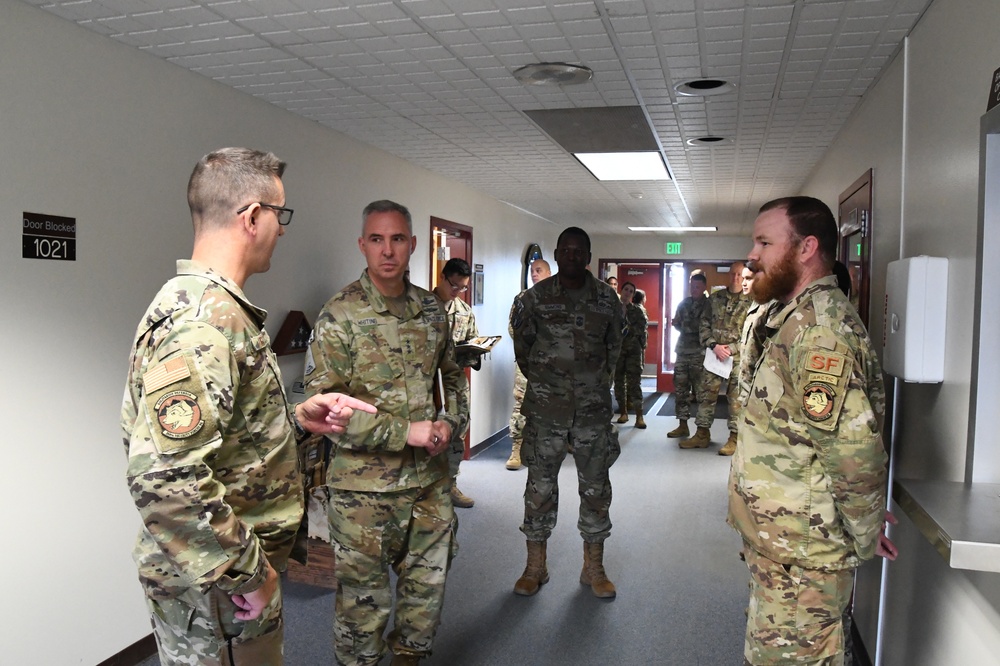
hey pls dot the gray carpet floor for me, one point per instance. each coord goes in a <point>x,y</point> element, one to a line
<point>682,589</point>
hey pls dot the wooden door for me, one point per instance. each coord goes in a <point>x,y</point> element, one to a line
<point>855,218</point>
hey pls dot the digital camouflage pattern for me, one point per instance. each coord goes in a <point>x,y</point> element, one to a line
<point>211,449</point>
<point>721,324</point>
<point>567,349</point>
<point>689,369</point>
<point>567,344</point>
<point>628,370</point>
<point>378,484</point>
<point>595,450</point>
<point>409,531</point>
<point>808,480</point>
<point>795,614</point>
<point>516,417</point>
<point>359,348</point>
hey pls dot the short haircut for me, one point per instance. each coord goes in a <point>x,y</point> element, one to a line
<point>697,274</point>
<point>638,297</point>
<point>810,217</point>
<point>386,206</point>
<point>229,178</point>
<point>459,267</point>
<point>574,231</point>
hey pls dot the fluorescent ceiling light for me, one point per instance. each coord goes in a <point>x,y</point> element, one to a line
<point>674,229</point>
<point>625,166</point>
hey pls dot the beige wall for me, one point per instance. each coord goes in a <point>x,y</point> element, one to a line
<point>95,130</point>
<point>919,129</point>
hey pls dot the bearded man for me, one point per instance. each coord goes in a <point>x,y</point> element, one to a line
<point>807,487</point>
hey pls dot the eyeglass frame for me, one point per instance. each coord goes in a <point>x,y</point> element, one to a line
<point>455,287</point>
<point>280,209</point>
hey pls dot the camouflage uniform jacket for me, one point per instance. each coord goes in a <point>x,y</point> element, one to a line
<point>635,328</point>
<point>211,447</point>
<point>751,345</point>
<point>360,348</point>
<point>808,481</point>
<point>463,329</point>
<point>687,320</point>
<point>722,319</point>
<point>567,348</point>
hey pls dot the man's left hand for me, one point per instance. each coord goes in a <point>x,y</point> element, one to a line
<point>885,547</point>
<point>329,412</point>
<point>722,352</point>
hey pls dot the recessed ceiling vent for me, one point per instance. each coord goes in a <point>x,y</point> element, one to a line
<point>704,87</point>
<point>553,74</point>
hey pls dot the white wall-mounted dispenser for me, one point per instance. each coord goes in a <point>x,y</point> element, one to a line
<point>916,312</point>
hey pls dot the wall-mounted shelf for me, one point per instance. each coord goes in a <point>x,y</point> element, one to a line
<point>961,520</point>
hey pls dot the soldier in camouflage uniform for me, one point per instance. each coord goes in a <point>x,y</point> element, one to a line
<point>690,366</point>
<point>539,270</point>
<point>384,340</point>
<point>209,435</point>
<point>628,371</point>
<point>567,333</point>
<point>808,480</point>
<point>457,273</point>
<point>721,325</point>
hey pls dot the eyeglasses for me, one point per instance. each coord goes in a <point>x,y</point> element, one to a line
<point>457,288</point>
<point>284,214</point>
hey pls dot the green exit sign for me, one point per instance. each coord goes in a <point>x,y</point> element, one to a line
<point>673,248</point>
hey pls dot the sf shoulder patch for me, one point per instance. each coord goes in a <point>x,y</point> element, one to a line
<point>824,382</point>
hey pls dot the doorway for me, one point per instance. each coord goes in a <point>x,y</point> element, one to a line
<point>450,240</point>
<point>854,214</point>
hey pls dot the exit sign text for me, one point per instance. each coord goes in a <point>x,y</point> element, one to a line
<point>673,248</point>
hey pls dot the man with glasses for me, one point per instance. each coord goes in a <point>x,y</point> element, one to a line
<point>209,433</point>
<point>384,340</point>
<point>456,275</point>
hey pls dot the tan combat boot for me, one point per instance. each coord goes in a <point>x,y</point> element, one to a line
<point>593,571</point>
<point>514,462</point>
<point>640,422</point>
<point>460,499</point>
<point>701,440</point>
<point>535,574</point>
<point>623,417</point>
<point>729,448</point>
<point>680,431</point>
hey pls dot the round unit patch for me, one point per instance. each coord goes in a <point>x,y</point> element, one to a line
<point>817,401</point>
<point>179,414</point>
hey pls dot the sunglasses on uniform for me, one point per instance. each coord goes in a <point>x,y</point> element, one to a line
<point>284,214</point>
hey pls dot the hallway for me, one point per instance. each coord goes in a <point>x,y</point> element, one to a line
<point>681,586</point>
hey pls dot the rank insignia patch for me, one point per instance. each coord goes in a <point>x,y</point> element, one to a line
<point>179,414</point>
<point>817,401</point>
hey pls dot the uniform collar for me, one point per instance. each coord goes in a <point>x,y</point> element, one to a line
<point>196,269</point>
<point>377,301</point>
<point>778,313</point>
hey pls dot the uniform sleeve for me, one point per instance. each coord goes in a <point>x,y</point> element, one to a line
<point>330,367</point>
<point>837,404</point>
<point>522,330</point>
<point>613,339</point>
<point>641,327</point>
<point>678,321</point>
<point>185,406</point>
<point>456,389</point>
<point>705,335</point>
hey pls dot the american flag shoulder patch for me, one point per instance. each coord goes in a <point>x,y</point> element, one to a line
<point>165,373</point>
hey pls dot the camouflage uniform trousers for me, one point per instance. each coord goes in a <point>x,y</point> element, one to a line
<point>516,417</point>
<point>689,374</point>
<point>595,449</point>
<point>795,614</point>
<point>712,383</point>
<point>198,629</point>
<point>628,377</point>
<point>412,532</point>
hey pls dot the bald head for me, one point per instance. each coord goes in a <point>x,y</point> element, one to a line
<point>539,270</point>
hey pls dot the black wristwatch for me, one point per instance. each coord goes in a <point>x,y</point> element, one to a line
<point>712,346</point>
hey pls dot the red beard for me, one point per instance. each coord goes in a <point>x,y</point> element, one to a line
<point>777,281</point>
